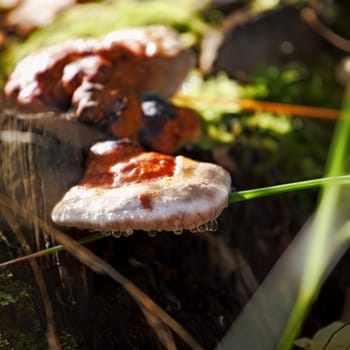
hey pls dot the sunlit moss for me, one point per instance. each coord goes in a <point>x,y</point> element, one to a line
<point>279,124</point>
<point>219,133</point>
<point>264,5</point>
<point>211,97</point>
<point>96,19</point>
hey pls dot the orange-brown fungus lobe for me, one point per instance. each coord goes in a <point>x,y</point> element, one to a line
<point>130,120</point>
<point>121,163</point>
<point>184,128</point>
<point>143,167</point>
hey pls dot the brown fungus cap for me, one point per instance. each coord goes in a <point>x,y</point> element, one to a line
<point>126,189</point>
<point>151,58</point>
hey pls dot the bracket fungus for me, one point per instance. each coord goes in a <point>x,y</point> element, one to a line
<point>119,85</point>
<point>126,188</point>
<point>151,58</point>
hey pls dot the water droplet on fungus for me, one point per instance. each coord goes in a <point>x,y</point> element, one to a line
<point>178,231</point>
<point>127,233</point>
<point>116,234</point>
<point>152,233</point>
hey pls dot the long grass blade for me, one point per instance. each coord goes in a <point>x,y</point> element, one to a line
<point>88,258</point>
<point>51,250</point>
<point>240,196</point>
<point>275,314</point>
<point>321,254</point>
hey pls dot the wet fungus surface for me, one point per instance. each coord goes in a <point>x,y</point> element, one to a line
<point>126,189</point>
<point>149,59</point>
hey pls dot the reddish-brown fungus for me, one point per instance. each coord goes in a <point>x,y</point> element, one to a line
<point>134,60</point>
<point>105,81</point>
<point>126,189</point>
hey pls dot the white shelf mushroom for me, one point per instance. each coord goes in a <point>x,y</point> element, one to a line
<point>126,188</point>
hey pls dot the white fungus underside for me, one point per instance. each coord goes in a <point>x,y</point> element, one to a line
<point>194,195</point>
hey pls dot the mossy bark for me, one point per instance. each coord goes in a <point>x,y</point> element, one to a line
<point>41,156</point>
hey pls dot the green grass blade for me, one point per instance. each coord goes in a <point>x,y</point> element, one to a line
<point>289,187</point>
<point>51,250</point>
<point>327,218</point>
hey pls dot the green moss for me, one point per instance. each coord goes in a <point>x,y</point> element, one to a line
<point>67,341</point>
<point>20,326</point>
